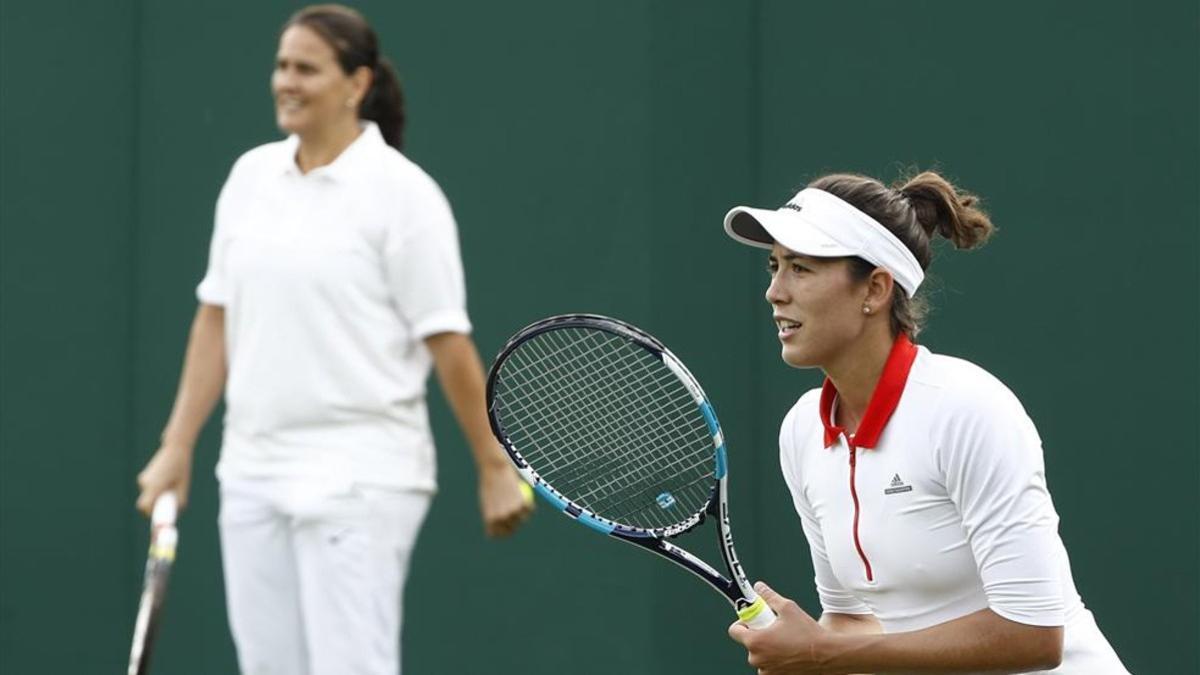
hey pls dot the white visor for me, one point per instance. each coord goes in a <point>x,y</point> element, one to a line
<point>818,224</point>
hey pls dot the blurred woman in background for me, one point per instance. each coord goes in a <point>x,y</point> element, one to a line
<point>334,286</point>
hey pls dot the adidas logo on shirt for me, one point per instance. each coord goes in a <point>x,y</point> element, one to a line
<point>897,486</point>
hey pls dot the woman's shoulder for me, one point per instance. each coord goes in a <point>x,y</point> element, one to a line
<point>400,171</point>
<point>964,387</point>
<point>803,416</point>
<point>261,157</point>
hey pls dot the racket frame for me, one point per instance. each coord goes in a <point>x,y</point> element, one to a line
<point>163,539</point>
<point>751,609</point>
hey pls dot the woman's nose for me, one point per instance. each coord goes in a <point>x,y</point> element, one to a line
<point>774,293</point>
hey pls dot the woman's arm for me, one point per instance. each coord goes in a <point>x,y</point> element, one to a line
<point>200,388</point>
<point>460,372</point>
<point>851,624</point>
<point>982,641</point>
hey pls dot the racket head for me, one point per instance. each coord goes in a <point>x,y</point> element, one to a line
<point>607,424</point>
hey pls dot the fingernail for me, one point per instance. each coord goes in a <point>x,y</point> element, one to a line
<point>761,587</point>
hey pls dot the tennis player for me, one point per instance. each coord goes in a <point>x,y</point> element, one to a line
<point>334,284</point>
<point>918,478</point>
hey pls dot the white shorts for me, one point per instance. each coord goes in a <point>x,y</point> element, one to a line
<point>314,574</point>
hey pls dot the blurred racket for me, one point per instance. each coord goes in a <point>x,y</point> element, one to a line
<point>163,538</point>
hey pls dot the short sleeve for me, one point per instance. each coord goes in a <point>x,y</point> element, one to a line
<point>834,598</point>
<point>424,268</point>
<point>995,474</point>
<point>213,288</point>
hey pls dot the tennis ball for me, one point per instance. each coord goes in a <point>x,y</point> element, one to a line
<point>527,492</point>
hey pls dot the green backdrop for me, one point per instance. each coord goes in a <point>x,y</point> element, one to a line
<point>590,150</point>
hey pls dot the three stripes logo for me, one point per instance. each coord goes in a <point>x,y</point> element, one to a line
<point>897,486</point>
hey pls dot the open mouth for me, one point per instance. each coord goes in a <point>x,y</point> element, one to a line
<point>786,327</point>
<point>289,104</point>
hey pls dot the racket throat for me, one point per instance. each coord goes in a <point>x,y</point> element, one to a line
<point>702,570</point>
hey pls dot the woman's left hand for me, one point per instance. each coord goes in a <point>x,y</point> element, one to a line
<point>502,502</point>
<point>790,646</point>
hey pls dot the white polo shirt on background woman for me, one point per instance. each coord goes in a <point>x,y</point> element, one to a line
<point>330,281</point>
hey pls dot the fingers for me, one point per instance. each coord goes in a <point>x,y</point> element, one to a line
<point>774,600</point>
<point>507,523</point>
<point>145,501</point>
<point>168,469</point>
<point>150,489</point>
<point>506,501</point>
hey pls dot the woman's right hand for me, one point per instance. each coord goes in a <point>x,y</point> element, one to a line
<point>169,469</point>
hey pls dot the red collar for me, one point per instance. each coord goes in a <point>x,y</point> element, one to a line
<point>884,399</point>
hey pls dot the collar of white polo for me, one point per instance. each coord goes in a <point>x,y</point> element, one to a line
<point>345,166</point>
<point>819,224</point>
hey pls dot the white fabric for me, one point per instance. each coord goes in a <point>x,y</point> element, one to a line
<point>330,280</point>
<point>314,574</point>
<point>954,513</point>
<point>822,225</point>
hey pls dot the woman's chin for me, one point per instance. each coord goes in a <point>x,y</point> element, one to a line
<point>796,358</point>
<point>288,124</point>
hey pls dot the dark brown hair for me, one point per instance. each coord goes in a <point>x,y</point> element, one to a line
<point>914,209</point>
<point>356,45</point>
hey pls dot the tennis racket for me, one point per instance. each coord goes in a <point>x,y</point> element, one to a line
<point>608,426</point>
<point>163,538</point>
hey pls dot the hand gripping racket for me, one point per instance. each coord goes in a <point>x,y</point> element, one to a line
<point>163,537</point>
<point>609,427</point>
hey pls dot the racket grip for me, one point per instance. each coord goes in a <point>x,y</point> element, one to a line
<point>165,508</point>
<point>758,615</point>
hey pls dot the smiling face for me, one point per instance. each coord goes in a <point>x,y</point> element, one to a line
<point>312,93</point>
<point>817,306</point>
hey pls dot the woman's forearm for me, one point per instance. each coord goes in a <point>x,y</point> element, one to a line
<point>851,624</point>
<point>460,373</point>
<point>202,380</point>
<point>983,640</point>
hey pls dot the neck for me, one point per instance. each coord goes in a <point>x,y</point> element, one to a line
<point>320,147</point>
<point>856,371</point>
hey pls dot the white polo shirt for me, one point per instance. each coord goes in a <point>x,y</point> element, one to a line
<point>330,280</point>
<point>936,507</point>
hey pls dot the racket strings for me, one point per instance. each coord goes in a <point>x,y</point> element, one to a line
<point>610,389</point>
<point>607,390</point>
<point>608,424</point>
<point>615,483</point>
<point>604,391</point>
<point>589,430</point>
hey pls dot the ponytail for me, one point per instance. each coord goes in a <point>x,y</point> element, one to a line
<point>940,208</point>
<point>384,104</point>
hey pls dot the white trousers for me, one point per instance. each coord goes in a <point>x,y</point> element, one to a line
<point>314,574</point>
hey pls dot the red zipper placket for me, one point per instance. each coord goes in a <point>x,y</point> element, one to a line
<point>854,496</point>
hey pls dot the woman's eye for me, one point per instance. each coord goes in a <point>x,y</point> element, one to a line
<point>797,268</point>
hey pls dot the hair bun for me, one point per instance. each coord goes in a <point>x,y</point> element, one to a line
<point>942,209</point>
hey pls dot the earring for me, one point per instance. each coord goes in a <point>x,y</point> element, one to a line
<point>866,309</point>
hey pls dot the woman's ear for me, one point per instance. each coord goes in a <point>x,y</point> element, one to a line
<point>362,78</point>
<point>879,291</point>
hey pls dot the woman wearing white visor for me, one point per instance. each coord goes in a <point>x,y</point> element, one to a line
<point>918,478</point>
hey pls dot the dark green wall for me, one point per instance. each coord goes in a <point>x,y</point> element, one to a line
<point>590,150</point>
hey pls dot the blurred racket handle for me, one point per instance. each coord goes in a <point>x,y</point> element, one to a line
<point>166,507</point>
<point>163,539</point>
